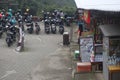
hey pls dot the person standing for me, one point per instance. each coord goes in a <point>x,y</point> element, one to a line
<point>80,30</point>
<point>20,45</point>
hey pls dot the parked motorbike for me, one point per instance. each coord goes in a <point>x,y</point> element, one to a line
<point>30,28</point>
<point>3,24</point>
<point>1,31</point>
<point>9,38</point>
<point>14,31</point>
<point>47,29</point>
<point>68,21</point>
<point>57,21</point>
<point>61,29</point>
<point>47,26</point>
<point>61,26</point>
<point>53,28</point>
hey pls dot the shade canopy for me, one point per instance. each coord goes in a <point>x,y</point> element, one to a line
<point>105,5</point>
<point>111,30</point>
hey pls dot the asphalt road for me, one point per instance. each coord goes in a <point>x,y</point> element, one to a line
<point>44,58</point>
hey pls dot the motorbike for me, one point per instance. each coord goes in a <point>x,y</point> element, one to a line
<point>11,31</point>
<point>1,31</point>
<point>68,21</point>
<point>37,28</point>
<point>9,38</point>
<point>57,22</point>
<point>53,28</point>
<point>14,31</point>
<point>30,28</point>
<point>61,29</point>
<point>2,27</point>
<point>3,24</point>
<point>47,29</point>
<point>47,26</point>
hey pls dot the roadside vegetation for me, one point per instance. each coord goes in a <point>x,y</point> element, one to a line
<point>37,6</point>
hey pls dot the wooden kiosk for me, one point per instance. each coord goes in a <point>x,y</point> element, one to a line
<point>111,51</point>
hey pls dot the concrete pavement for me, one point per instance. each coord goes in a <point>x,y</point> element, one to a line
<point>44,58</point>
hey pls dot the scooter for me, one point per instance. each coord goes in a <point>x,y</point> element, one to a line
<point>47,26</point>
<point>9,39</point>
<point>1,31</point>
<point>47,29</point>
<point>53,28</point>
<point>61,29</point>
<point>30,28</point>
<point>57,21</point>
<point>68,21</point>
<point>37,28</point>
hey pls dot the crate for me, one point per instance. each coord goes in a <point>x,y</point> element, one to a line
<point>83,67</point>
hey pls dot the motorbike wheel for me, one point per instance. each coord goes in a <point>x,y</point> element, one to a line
<point>54,32</point>
<point>37,32</point>
<point>8,44</point>
<point>30,31</point>
<point>61,32</point>
<point>47,32</point>
<point>0,36</point>
<point>1,33</point>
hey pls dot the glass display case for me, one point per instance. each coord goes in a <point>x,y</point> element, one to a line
<point>111,62</point>
<point>114,52</point>
<point>111,51</point>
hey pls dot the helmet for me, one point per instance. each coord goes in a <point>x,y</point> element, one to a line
<point>10,10</point>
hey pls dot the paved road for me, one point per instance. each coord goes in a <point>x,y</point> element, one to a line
<point>44,58</point>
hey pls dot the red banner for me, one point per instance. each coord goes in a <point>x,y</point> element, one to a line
<point>87,16</point>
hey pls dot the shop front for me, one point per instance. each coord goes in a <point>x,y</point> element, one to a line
<point>111,51</point>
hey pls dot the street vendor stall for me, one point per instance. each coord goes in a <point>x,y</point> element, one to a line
<point>111,51</point>
<point>95,13</point>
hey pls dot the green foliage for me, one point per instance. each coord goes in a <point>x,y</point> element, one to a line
<point>36,6</point>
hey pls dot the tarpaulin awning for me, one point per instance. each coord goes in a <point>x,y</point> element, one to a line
<point>105,5</point>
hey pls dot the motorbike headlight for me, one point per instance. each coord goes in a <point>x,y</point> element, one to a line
<point>15,26</point>
<point>6,26</point>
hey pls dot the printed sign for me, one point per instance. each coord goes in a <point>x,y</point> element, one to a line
<point>86,48</point>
